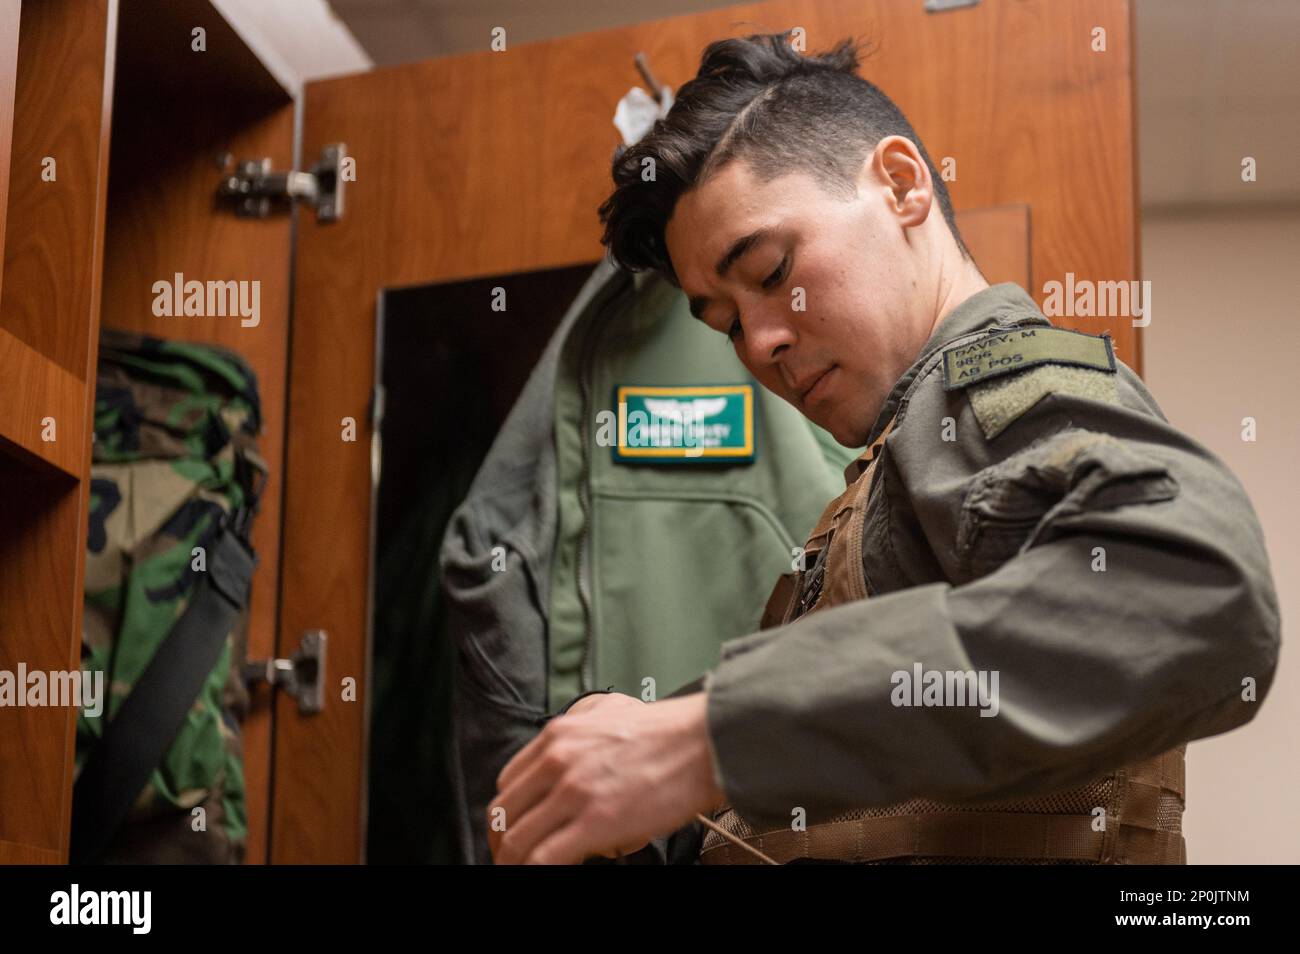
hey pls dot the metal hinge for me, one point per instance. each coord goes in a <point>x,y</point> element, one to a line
<point>255,189</point>
<point>302,675</point>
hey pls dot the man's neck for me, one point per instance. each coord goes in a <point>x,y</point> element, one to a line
<point>954,287</point>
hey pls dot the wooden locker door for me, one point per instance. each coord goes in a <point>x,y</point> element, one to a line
<point>494,162</point>
<point>176,111</point>
<point>56,83</point>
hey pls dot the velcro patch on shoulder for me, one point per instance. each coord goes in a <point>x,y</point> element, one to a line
<point>1008,350</point>
<point>999,402</point>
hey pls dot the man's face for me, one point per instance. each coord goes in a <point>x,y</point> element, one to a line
<point>823,304</point>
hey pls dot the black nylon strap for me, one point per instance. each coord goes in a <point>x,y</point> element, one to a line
<point>149,719</point>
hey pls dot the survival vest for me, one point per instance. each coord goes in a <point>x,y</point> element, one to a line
<point>1142,802</point>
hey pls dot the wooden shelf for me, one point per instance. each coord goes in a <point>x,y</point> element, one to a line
<point>32,389</point>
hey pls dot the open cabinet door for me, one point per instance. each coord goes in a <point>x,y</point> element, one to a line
<point>175,114</point>
<point>86,85</point>
<point>494,163</point>
<point>56,65</point>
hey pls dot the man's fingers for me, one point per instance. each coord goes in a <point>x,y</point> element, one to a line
<point>564,847</point>
<point>524,832</point>
<point>566,831</point>
<point>523,758</point>
<point>530,786</point>
<point>581,838</point>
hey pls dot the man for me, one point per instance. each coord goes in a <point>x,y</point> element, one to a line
<point>1033,592</point>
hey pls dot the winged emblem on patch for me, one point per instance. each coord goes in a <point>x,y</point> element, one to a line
<point>694,410</point>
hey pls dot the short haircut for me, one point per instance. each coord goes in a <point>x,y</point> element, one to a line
<point>754,98</point>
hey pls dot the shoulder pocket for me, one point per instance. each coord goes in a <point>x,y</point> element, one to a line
<point>1016,503</point>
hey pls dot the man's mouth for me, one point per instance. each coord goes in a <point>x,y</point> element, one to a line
<point>815,388</point>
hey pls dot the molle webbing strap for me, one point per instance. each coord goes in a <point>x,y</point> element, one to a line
<point>1144,827</point>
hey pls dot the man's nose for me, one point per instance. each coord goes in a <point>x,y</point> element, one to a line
<point>768,334</point>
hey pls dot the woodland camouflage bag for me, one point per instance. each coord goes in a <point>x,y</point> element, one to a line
<point>174,468</point>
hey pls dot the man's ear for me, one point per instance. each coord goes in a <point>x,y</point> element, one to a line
<point>895,166</point>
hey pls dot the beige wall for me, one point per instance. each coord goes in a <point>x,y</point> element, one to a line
<point>1222,345</point>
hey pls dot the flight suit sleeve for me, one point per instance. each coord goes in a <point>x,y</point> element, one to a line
<point>1104,571</point>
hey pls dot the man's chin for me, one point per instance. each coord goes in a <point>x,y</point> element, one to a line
<point>852,439</point>
<point>845,435</point>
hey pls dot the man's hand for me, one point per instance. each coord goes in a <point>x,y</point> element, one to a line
<point>603,698</point>
<point>603,779</point>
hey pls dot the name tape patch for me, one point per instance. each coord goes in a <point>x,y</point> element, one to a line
<point>1009,350</point>
<point>669,424</point>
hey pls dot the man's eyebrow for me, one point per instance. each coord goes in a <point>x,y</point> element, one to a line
<point>738,248</point>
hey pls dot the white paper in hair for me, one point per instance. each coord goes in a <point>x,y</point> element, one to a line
<point>636,113</point>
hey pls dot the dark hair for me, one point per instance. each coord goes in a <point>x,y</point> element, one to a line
<point>757,98</point>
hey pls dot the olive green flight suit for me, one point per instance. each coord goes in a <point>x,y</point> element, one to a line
<point>1040,519</point>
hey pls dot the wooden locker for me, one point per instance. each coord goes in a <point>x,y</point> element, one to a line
<point>56,63</point>
<point>100,85</point>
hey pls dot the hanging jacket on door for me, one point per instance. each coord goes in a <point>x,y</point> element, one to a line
<point>640,501</point>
